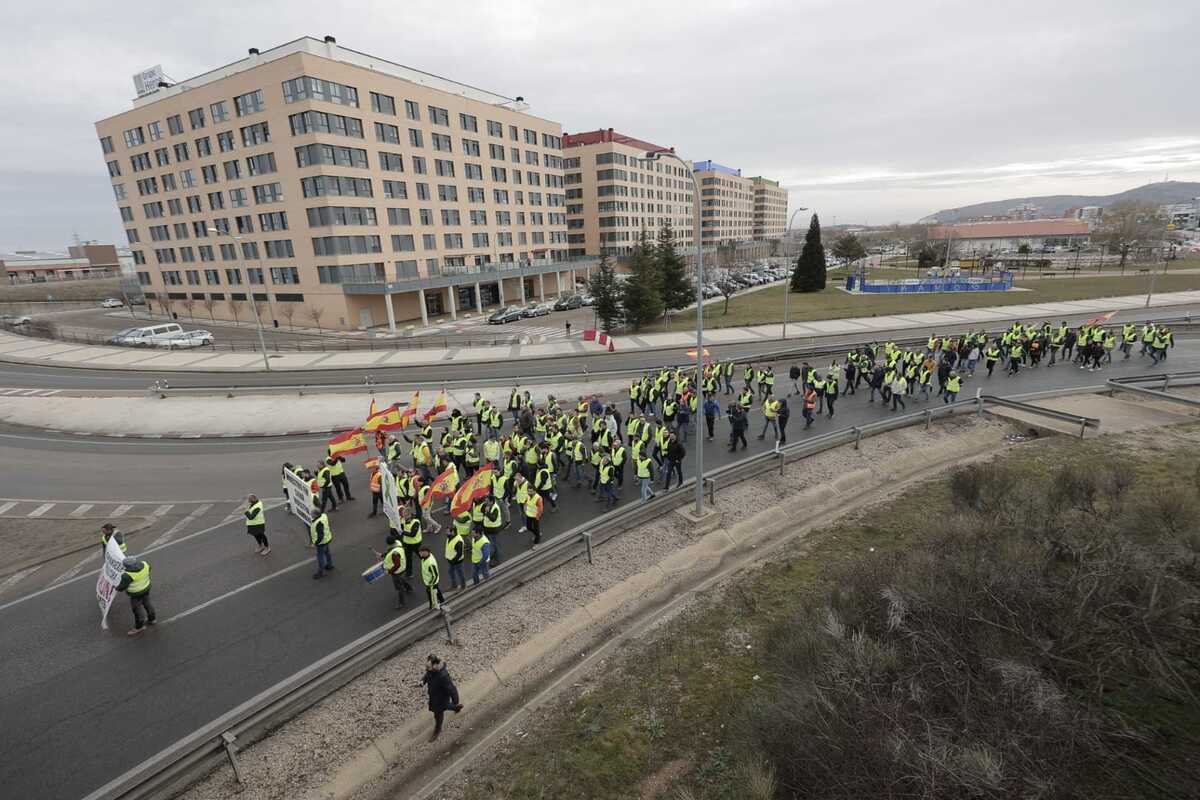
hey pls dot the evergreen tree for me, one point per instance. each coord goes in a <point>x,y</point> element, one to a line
<point>676,285</point>
<point>809,272</point>
<point>642,293</point>
<point>607,293</point>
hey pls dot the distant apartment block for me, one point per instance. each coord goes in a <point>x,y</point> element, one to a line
<point>726,204</point>
<point>614,193</point>
<point>358,190</point>
<point>770,209</point>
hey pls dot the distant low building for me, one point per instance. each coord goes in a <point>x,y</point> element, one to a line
<point>80,261</point>
<point>1000,236</point>
<point>1183,216</point>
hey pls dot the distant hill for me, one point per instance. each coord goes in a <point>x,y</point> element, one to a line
<point>1056,205</point>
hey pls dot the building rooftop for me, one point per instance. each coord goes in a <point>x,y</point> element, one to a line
<point>761,179</point>
<point>329,48</point>
<point>606,135</point>
<point>712,166</point>
<point>1033,227</point>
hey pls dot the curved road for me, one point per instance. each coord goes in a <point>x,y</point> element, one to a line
<point>231,623</point>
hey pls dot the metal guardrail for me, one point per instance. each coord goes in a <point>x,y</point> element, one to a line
<point>802,349</point>
<point>172,769</point>
<point>1132,385</point>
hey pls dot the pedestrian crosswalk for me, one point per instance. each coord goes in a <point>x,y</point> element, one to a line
<point>27,392</point>
<point>76,509</point>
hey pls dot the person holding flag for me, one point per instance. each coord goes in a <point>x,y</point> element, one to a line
<point>395,564</point>
<point>438,407</point>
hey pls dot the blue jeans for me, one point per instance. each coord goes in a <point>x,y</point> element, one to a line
<point>324,559</point>
<point>610,492</point>
<point>682,427</point>
<point>646,489</point>
<point>481,569</point>
<point>457,576</point>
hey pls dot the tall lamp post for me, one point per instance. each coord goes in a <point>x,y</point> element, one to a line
<point>655,155</point>
<point>787,289</point>
<point>253,305</point>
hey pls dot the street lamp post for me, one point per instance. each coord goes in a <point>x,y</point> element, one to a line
<point>655,155</point>
<point>253,306</point>
<point>787,288</point>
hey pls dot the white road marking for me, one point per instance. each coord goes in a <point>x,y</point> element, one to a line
<point>16,577</point>
<point>239,590</point>
<point>81,510</point>
<point>49,392</point>
<point>163,509</point>
<point>121,510</point>
<point>66,576</point>
<point>42,509</point>
<point>166,537</point>
<point>4,508</point>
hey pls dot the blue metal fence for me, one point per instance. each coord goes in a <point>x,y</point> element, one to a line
<point>995,282</point>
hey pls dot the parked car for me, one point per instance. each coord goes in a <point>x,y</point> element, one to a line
<point>587,300</point>
<point>505,315</point>
<point>112,302</point>
<point>14,320</point>
<point>153,334</point>
<point>122,337</point>
<point>137,301</point>
<point>542,310</point>
<point>567,303</point>
<point>186,339</point>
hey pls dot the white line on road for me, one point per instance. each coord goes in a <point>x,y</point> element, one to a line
<point>189,519</point>
<point>121,510</point>
<point>163,509</point>
<point>62,579</point>
<point>16,577</point>
<point>82,509</point>
<point>4,508</point>
<point>42,509</point>
<point>239,590</point>
<point>50,392</point>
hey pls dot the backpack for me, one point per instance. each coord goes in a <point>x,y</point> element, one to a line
<point>794,373</point>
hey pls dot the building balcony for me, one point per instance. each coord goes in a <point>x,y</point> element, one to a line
<point>469,274</point>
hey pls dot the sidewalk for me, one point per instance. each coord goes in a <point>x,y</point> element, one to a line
<point>14,348</point>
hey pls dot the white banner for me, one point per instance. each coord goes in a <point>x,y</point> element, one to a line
<point>300,497</point>
<point>391,500</point>
<point>110,575</point>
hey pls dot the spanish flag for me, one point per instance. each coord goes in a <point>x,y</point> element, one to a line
<point>438,407</point>
<point>349,442</point>
<point>477,486</point>
<point>388,419</point>
<point>443,485</point>
<point>411,410</point>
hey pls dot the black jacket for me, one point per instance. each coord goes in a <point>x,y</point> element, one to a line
<point>675,451</point>
<point>443,694</point>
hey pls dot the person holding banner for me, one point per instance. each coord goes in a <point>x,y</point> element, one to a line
<point>136,583</point>
<point>109,531</point>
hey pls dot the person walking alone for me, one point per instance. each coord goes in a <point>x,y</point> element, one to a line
<point>256,524</point>
<point>443,694</point>
<point>135,582</point>
<point>712,410</point>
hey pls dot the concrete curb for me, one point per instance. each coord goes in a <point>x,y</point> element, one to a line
<point>676,574</point>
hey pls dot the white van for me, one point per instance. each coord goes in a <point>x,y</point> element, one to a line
<point>153,335</point>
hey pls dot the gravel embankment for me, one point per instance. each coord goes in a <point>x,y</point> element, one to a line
<point>305,752</point>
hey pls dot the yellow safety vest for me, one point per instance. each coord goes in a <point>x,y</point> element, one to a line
<point>451,544</point>
<point>257,517</point>
<point>326,534</point>
<point>139,581</point>
<point>477,548</point>
<point>410,531</point>
<point>643,467</point>
<point>394,561</point>
<point>429,571</point>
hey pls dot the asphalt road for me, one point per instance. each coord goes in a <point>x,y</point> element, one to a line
<point>525,371</point>
<point>231,623</point>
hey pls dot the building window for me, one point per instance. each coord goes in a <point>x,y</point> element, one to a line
<point>155,130</point>
<point>412,110</point>
<point>273,221</point>
<point>181,151</point>
<point>418,165</point>
<point>131,235</point>
<point>168,183</point>
<point>119,191</point>
<point>256,134</point>
<point>255,274</point>
<point>479,240</point>
<point>470,147</point>
<point>225,141</point>
<point>218,111</point>
<point>345,245</point>
<point>162,156</point>
<point>391,162</point>
<point>233,170</point>
<point>250,250</point>
<point>233,277</point>
<point>403,243</point>
<point>453,241</point>
<point>443,167</point>
<point>106,145</point>
<point>441,142</point>
<point>468,122</point>
<point>261,165</point>
<point>341,215</point>
<point>395,190</point>
<point>216,201</point>
<point>451,218</point>
<point>473,172</point>
<point>250,103</point>
<point>152,210</point>
<point>237,198</point>
<point>134,137</point>
<point>203,147</point>
<point>186,255</point>
<point>193,204</point>
<point>478,217</point>
<point>387,133</point>
<point>322,185</point>
<point>439,116</point>
<point>399,216</point>
<point>206,252</point>
<point>279,248</point>
<point>196,118</point>
<point>140,162</point>
<point>415,138</point>
<point>319,89</point>
<point>314,154</point>
<point>447,193</point>
<point>114,169</point>
<point>429,241</point>
<point>383,104</point>
<point>285,275</point>
<point>212,277</point>
<point>322,122</point>
<point>268,193</point>
<point>475,194</point>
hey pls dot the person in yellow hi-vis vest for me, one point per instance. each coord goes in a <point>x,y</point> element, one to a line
<point>135,582</point>
<point>430,577</point>
<point>533,515</point>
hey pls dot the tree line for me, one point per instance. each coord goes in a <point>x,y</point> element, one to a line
<point>658,282</point>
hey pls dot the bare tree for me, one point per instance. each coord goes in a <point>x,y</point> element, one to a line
<point>189,305</point>
<point>209,304</point>
<point>260,310</point>
<point>1128,224</point>
<point>288,310</point>
<point>235,308</point>
<point>315,311</point>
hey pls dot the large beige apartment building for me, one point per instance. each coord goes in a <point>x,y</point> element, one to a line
<point>726,204</point>
<point>338,188</point>
<point>770,208</point>
<point>614,193</point>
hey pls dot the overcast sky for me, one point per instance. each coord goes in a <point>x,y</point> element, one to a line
<point>866,111</point>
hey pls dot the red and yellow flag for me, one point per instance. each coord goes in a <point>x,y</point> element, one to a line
<point>443,485</point>
<point>387,420</point>
<point>349,442</point>
<point>438,407</point>
<point>1103,318</point>
<point>410,410</point>
<point>473,488</point>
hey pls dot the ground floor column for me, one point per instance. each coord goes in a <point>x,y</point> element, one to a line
<point>542,287</point>
<point>574,286</point>
<point>387,302</point>
<point>521,280</point>
<point>450,292</point>
<point>500,290</point>
<point>424,312</point>
<point>478,298</point>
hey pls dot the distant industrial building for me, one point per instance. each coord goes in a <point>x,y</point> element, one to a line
<point>1001,236</point>
<point>80,261</point>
